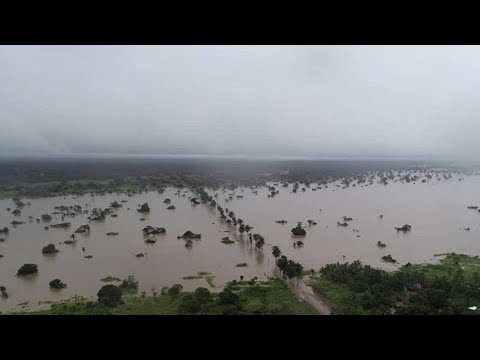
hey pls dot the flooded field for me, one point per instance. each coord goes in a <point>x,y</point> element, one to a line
<point>437,211</point>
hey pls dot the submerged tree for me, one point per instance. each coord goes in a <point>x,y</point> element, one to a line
<point>259,241</point>
<point>144,208</point>
<point>404,228</point>
<point>27,269</point>
<point>46,217</point>
<point>282,263</point>
<point>49,249</point>
<point>115,204</point>
<point>190,235</point>
<point>299,231</point>
<point>276,251</point>
<point>57,284</point>
<point>3,292</point>
<point>241,228</point>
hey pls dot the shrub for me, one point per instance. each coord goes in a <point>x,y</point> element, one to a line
<point>144,208</point>
<point>226,240</point>
<point>3,292</point>
<point>129,284</point>
<point>110,295</point>
<point>299,231</point>
<point>228,297</point>
<point>46,217</point>
<point>175,290</point>
<point>57,284</point>
<point>389,258</point>
<point>202,295</point>
<point>189,305</point>
<point>27,269</point>
<point>49,249</point>
<point>190,235</point>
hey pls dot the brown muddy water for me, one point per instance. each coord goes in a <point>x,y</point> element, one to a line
<point>437,212</point>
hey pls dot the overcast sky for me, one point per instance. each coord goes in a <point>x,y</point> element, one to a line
<point>241,100</point>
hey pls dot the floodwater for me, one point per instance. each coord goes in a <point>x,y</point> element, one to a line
<point>437,212</point>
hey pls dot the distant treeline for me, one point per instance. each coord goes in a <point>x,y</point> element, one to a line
<point>15,171</point>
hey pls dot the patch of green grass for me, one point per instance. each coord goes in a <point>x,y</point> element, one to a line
<point>242,265</point>
<point>158,305</point>
<point>338,296</point>
<point>5,193</point>
<point>155,305</point>
<point>278,297</point>
<point>448,265</point>
<point>270,297</point>
<point>253,304</point>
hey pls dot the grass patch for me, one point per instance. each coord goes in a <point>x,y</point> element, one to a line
<point>468,264</point>
<point>154,305</point>
<point>277,297</point>
<point>338,296</point>
<point>271,297</point>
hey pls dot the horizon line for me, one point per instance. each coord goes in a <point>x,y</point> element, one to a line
<point>223,156</point>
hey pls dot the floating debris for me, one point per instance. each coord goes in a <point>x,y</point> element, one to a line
<point>404,228</point>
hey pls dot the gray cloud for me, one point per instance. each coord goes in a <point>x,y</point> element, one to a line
<point>252,100</point>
